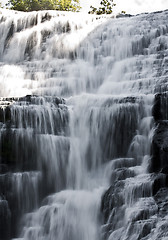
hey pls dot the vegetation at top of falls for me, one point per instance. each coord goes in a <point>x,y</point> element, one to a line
<point>35,5</point>
<point>105,8</point>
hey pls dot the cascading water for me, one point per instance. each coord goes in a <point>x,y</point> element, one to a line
<point>76,125</point>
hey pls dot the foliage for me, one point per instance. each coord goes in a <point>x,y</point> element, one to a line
<point>35,5</point>
<point>105,8</point>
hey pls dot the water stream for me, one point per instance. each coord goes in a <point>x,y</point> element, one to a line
<point>85,125</point>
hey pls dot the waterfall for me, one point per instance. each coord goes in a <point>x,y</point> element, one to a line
<point>83,126</point>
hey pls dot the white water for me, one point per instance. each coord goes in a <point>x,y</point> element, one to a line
<point>106,70</point>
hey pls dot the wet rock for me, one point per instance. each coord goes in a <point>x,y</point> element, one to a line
<point>161,198</point>
<point>156,111</point>
<point>160,148</point>
<point>67,27</point>
<point>5,218</point>
<point>160,106</point>
<point>30,46</point>
<point>31,99</point>
<point>121,100</point>
<point>158,182</point>
<point>9,35</point>
<point>122,15</point>
<point>106,206</point>
<point>121,174</point>
<point>46,17</point>
<point>111,201</point>
<point>18,151</point>
<point>160,139</point>
<point>5,114</point>
<point>3,168</point>
<point>143,228</point>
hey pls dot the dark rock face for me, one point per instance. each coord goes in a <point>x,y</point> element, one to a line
<point>5,219</point>
<point>160,139</point>
<point>160,148</point>
<point>23,123</point>
<point>160,106</point>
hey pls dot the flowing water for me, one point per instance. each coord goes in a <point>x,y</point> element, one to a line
<point>76,118</point>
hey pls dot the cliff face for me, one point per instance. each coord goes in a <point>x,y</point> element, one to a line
<point>83,126</point>
<point>135,208</point>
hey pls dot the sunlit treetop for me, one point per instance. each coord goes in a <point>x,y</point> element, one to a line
<point>34,5</point>
<point>105,8</point>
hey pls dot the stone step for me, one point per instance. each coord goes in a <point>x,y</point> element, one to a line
<point>43,114</point>
<point>122,163</point>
